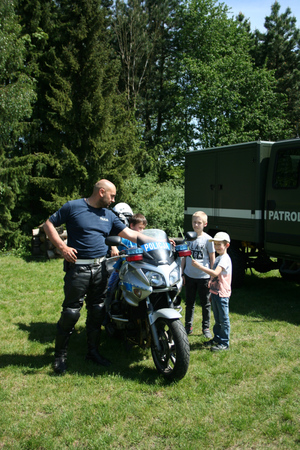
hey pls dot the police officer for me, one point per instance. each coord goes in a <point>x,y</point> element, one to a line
<point>88,223</point>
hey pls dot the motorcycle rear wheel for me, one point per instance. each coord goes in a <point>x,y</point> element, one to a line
<point>173,359</point>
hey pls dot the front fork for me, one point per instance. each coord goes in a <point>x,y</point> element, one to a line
<point>152,325</point>
<point>165,313</point>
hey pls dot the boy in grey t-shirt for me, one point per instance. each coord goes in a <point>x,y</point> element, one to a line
<point>196,280</point>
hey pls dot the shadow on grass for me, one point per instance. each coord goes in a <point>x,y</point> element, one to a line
<point>127,362</point>
<point>197,342</point>
<point>270,298</point>
<point>28,257</point>
<point>42,332</point>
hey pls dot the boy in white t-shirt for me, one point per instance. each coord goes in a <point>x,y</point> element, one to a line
<point>220,291</point>
<point>196,281</point>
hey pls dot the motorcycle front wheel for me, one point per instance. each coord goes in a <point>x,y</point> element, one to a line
<point>172,360</point>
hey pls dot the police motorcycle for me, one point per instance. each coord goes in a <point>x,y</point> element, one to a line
<point>145,307</point>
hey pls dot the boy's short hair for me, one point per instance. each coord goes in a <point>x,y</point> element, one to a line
<point>200,214</point>
<point>137,218</point>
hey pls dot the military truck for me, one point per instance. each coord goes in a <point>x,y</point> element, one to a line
<point>251,191</point>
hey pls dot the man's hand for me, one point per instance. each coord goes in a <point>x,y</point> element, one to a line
<point>69,253</point>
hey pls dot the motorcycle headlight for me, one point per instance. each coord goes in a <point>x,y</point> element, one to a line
<point>175,276</point>
<point>155,279</point>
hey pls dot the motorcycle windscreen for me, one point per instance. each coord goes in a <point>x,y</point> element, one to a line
<point>156,246</point>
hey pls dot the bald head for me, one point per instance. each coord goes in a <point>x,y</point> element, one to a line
<point>105,184</point>
<point>104,193</point>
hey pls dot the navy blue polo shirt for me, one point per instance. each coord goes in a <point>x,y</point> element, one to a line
<point>87,227</point>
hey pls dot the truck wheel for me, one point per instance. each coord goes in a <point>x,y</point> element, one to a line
<point>290,271</point>
<point>238,266</point>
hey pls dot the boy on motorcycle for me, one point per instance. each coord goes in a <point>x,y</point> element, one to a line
<point>136,222</point>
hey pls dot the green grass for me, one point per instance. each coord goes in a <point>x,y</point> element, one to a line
<point>246,398</point>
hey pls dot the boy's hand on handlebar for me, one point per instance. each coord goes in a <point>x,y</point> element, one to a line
<point>114,251</point>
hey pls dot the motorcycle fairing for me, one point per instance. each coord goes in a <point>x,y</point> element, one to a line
<point>130,288</point>
<point>150,246</point>
<point>156,246</point>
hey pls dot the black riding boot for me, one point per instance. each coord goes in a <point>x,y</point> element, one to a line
<point>94,319</point>
<point>65,327</point>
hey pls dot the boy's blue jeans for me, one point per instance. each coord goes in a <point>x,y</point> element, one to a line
<point>221,329</point>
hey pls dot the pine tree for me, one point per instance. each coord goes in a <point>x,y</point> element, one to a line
<point>93,121</point>
<point>16,97</point>
<point>81,130</point>
<point>279,50</point>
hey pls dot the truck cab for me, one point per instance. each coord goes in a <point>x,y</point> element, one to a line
<point>282,205</point>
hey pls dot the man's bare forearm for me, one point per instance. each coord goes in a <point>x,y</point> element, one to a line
<point>69,253</point>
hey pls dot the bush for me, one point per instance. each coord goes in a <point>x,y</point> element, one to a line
<point>161,203</point>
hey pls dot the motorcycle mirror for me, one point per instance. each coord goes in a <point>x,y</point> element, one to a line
<point>113,241</point>
<point>191,235</point>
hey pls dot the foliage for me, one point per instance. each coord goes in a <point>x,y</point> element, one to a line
<point>278,49</point>
<point>87,127</point>
<point>143,37</point>
<point>80,130</point>
<point>227,99</point>
<point>121,90</point>
<point>84,92</point>
<point>161,203</point>
<point>16,97</point>
<point>16,85</point>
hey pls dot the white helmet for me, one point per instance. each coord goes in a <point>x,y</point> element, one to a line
<point>123,211</point>
<point>123,208</point>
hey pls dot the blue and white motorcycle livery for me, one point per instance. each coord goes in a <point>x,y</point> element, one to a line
<point>145,308</point>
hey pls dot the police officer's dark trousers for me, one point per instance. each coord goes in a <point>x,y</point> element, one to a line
<point>83,282</point>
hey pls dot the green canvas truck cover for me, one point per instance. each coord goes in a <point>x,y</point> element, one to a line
<point>228,183</point>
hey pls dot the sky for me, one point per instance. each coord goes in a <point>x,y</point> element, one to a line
<point>257,10</point>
